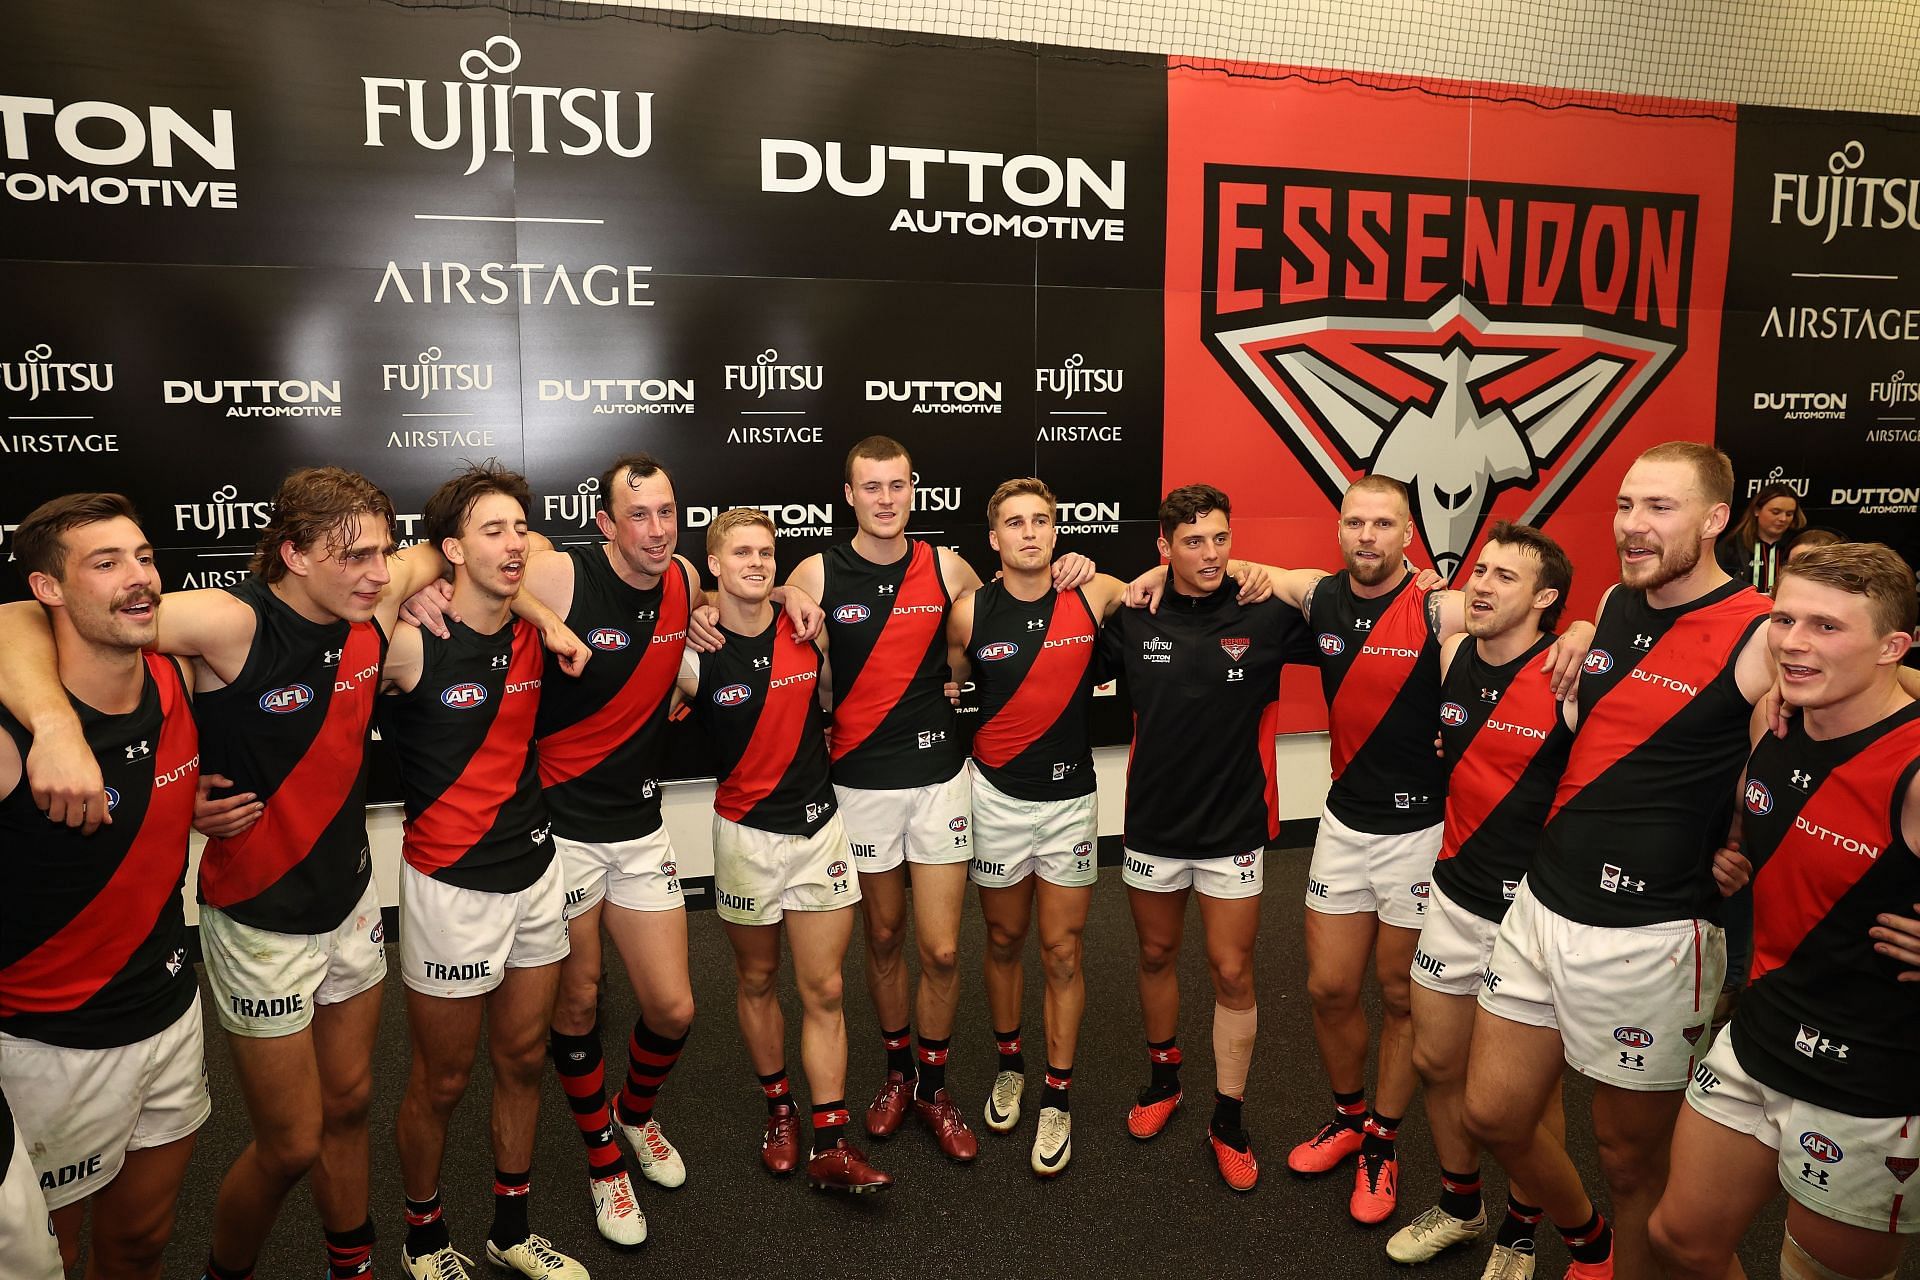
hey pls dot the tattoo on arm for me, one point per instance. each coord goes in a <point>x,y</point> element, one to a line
<point>1435,600</point>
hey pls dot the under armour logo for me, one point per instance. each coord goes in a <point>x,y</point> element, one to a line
<point>1236,674</point>
<point>1036,624</point>
<point>331,658</point>
<point>500,660</point>
<point>138,749</point>
<point>1642,642</point>
<point>886,589</point>
<point>1633,1061</point>
<point>1489,695</point>
<point>1363,624</point>
<point>1813,1176</point>
<point>761,664</point>
<point>647,615</point>
<point>1802,779</point>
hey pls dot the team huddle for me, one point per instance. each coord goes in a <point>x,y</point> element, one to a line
<point>1527,839</point>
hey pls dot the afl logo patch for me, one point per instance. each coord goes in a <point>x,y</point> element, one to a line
<point>1083,849</point>
<point>848,613</point>
<point>1821,1147</point>
<point>669,868</point>
<point>113,799</point>
<point>1422,889</point>
<point>1452,714</point>
<point>1633,1037</point>
<point>286,699</point>
<point>1331,645</point>
<point>732,695</point>
<point>464,697</point>
<point>1598,662</point>
<point>997,650</point>
<point>608,640</point>
<point>836,869</point>
<point>958,824</point>
<point>379,933</point>
<point>1759,799</point>
<point>1244,859</point>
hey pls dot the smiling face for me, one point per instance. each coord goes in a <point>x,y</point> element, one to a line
<point>1023,533</point>
<point>491,551</point>
<point>642,521</point>
<point>1197,553</point>
<point>1504,590</point>
<point>1776,517</point>
<point>1826,643</point>
<point>1661,521</point>
<point>345,580</point>
<point>881,495</point>
<point>743,565</point>
<point>109,587</point>
<point>1374,530</point>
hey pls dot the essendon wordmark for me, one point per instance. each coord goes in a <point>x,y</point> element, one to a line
<point>1469,339</point>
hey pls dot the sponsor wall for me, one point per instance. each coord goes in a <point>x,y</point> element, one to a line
<point>244,239</point>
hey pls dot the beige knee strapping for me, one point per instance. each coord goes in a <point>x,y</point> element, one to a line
<point>1797,1264</point>
<point>1233,1032</point>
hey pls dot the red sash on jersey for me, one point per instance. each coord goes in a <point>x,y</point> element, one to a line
<point>786,712</point>
<point>1695,651</point>
<point>1046,690</point>
<point>65,971</point>
<point>896,656</point>
<point>465,811</point>
<point>567,753</point>
<point>1492,763</point>
<point>1808,872</point>
<point>1375,677</point>
<point>240,867</point>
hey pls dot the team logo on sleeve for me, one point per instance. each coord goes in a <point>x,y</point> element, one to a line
<point>464,697</point>
<point>285,700</point>
<point>1759,799</point>
<point>1452,714</point>
<point>608,639</point>
<point>1331,645</point>
<point>996,651</point>
<point>851,613</point>
<point>1236,647</point>
<point>732,696</point>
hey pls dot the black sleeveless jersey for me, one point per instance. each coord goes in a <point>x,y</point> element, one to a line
<point>1380,671</point>
<point>463,737</point>
<point>93,941</point>
<point>759,705</point>
<point>1505,742</point>
<point>1648,787</point>
<point>1204,677</point>
<point>1033,670</point>
<point>602,735</point>
<point>292,728</point>
<point>1826,1019</point>
<point>892,724</point>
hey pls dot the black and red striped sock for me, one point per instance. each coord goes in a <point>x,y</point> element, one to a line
<point>1521,1226</point>
<point>1163,1058</point>
<point>650,1056</point>
<point>426,1227</point>
<point>350,1253</point>
<point>899,1046</point>
<point>583,1078</point>
<point>1011,1059</point>
<point>510,1195</point>
<point>1460,1194</point>
<point>933,1068</point>
<point>829,1124</point>
<point>778,1090</point>
<point>1591,1241</point>
<point>1378,1134</point>
<point>214,1271</point>
<point>1058,1082</point>
<point>1350,1109</point>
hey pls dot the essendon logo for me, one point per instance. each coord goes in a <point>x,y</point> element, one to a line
<point>286,699</point>
<point>1482,343</point>
<point>1236,647</point>
<point>464,697</point>
<point>1902,1167</point>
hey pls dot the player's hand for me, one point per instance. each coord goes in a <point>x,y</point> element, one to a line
<point>1144,592</point>
<point>1899,937</point>
<point>1779,715</point>
<point>1428,580</point>
<point>807,615</point>
<point>1439,747</point>
<point>65,779</point>
<point>430,607</point>
<point>1566,659</point>
<point>703,630</point>
<point>1731,871</point>
<point>952,690</point>
<point>1072,571</point>
<point>1256,584</point>
<point>224,819</point>
<point>566,646</point>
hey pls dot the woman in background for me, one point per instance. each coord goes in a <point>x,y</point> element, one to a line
<point>1756,550</point>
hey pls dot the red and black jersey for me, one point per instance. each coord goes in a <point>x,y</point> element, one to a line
<point>1826,1019</point>
<point>292,728</point>
<point>1033,670</point>
<point>463,737</point>
<point>1380,671</point>
<point>602,734</point>
<point>759,703</point>
<point>892,723</point>
<point>1204,677</point>
<point>1505,742</point>
<point>1648,787</point>
<point>93,941</point>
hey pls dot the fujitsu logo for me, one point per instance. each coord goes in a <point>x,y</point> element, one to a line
<point>577,508</point>
<point>37,373</point>
<point>1897,389</point>
<point>1840,199</point>
<point>1481,343</point>
<point>766,373</point>
<point>224,515</point>
<point>1073,375</point>
<point>489,116</point>
<point>431,373</point>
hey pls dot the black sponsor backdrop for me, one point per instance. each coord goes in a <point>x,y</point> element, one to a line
<point>1820,351</point>
<point>336,270</point>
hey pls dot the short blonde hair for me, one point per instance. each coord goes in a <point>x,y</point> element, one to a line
<point>738,518</point>
<point>1712,469</point>
<point>1025,486</point>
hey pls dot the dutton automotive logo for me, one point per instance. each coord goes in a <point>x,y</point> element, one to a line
<point>38,133</point>
<point>1481,343</point>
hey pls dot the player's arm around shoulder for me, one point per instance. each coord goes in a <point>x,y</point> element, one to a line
<point>550,576</point>
<point>1754,671</point>
<point>1450,647</point>
<point>406,656</point>
<point>810,576</point>
<point>1106,595</point>
<point>956,574</point>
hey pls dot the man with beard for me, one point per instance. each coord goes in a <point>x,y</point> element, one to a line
<point>1505,742</point>
<point>100,1044</point>
<point>1609,958</point>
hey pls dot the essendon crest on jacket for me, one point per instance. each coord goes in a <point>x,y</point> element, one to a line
<point>1481,342</point>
